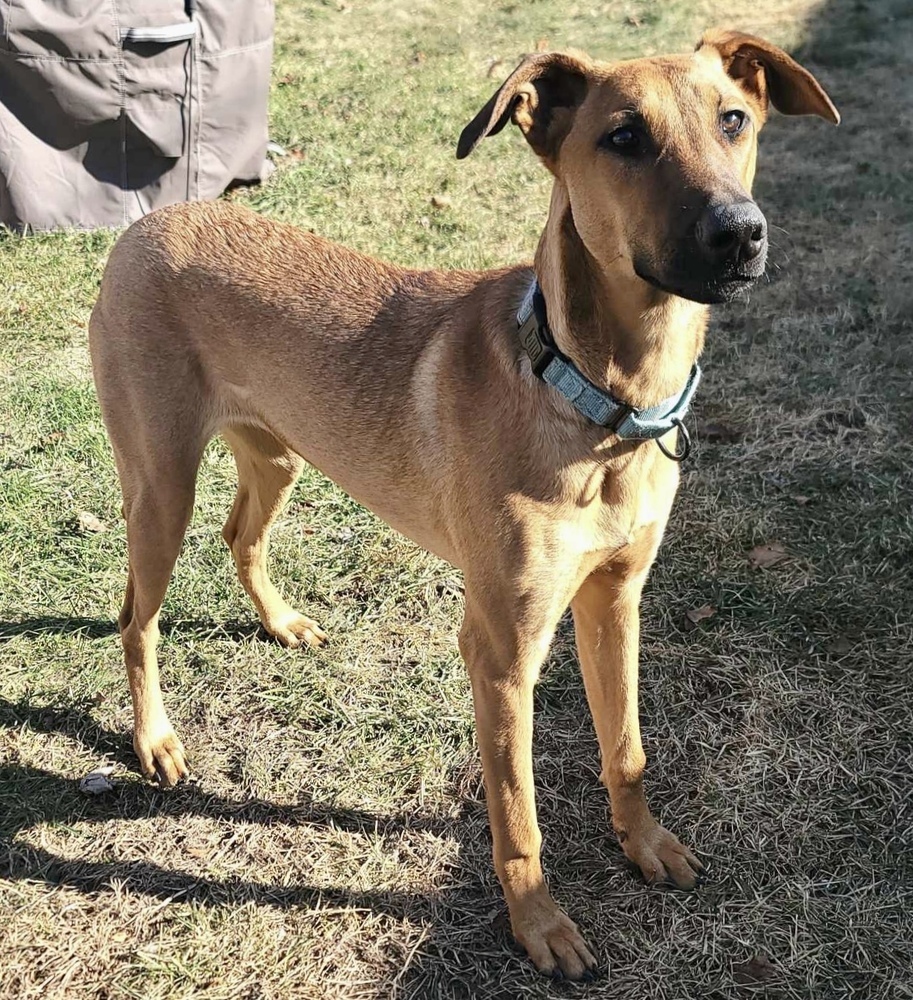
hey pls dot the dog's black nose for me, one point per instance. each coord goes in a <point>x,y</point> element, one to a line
<point>737,231</point>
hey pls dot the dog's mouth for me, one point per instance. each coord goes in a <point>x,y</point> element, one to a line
<point>706,289</point>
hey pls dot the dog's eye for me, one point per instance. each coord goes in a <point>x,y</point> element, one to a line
<point>732,122</point>
<point>624,140</point>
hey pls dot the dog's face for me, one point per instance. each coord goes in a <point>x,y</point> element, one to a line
<point>658,155</point>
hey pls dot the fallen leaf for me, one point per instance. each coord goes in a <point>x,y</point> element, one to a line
<point>853,419</point>
<point>87,521</point>
<point>441,201</point>
<point>542,45</point>
<point>499,921</point>
<point>715,433</point>
<point>99,698</point>
<point>634,21</point>
<point>700,614</point>
<point>778,480</point>
<point>766,556</point>
<point>802,501</point>
<point>756,970</point>
<point>418,58</point>
<point>97,782</point>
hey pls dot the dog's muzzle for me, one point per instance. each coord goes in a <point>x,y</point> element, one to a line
<point>722,255</point>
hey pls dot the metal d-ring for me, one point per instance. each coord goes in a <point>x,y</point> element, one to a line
<point>684,443</point>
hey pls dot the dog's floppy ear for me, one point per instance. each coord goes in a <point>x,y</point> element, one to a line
<point>769,73</point>
<point>540,96</point>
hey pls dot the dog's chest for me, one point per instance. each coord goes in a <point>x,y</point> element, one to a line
<point>620,511</point>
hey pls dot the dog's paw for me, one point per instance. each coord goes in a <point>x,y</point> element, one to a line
<point>553,941</point>
<point>161,757</point>
<point>661,857</point>
<point>295,630</point>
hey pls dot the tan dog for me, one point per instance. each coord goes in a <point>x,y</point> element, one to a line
<point>412,391</point>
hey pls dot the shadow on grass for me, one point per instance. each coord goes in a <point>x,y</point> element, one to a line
<point>28,791</point>
<point>100,628</point>
<point>32,796</point>
<point>468,941</point>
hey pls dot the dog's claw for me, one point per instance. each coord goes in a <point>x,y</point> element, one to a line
<point>162,759</point>
<point>296,630</point>
<point>553,942</point>
<point>662,858</point>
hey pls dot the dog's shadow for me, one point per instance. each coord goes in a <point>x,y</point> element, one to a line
<point>101,628</point>
<point>466,938</point>
<point>32,796</point>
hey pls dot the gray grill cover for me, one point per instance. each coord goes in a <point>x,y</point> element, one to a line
<point>110,108</point>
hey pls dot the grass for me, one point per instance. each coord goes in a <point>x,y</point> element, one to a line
<point>334,843</point>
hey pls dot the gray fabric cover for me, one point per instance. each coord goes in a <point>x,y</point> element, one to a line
<point>98,126</point>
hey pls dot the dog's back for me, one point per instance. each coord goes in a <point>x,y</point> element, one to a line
<point>211,316</point>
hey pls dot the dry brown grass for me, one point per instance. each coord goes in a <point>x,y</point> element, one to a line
<point>334,844</point>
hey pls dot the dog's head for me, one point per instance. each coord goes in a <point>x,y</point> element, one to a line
<point>658,155</point>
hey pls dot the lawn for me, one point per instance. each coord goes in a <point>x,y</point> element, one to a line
<point>334,841</point>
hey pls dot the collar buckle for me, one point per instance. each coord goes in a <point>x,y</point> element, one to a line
<point>541,353</point>
<point>535,335</point>
<point>620,416</point>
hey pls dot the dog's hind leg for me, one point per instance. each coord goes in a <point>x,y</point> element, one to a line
<point>267,473</point>
<point>158,494</point>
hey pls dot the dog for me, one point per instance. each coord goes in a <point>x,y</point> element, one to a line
<point>521,423</point>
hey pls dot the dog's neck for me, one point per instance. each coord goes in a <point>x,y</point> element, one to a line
<point>621,332</point>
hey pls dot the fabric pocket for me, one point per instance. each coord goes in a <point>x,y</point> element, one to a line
<point>158,48</point>
<point>81,30</point>
<point>158,77</point>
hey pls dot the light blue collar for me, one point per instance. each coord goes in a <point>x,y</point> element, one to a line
<point>596,404</point>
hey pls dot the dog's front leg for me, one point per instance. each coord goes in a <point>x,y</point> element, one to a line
<point>607,625</point>
<point>504,656</point>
